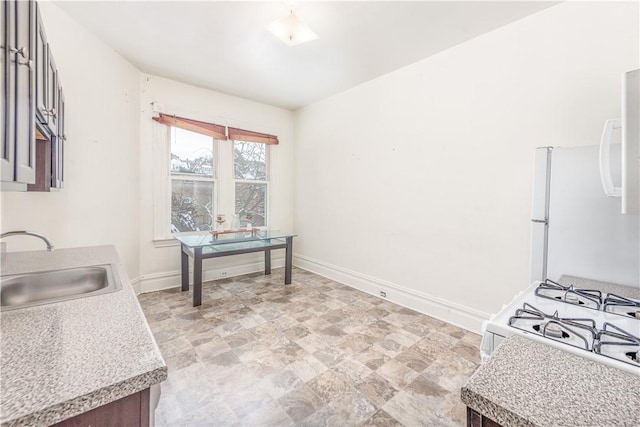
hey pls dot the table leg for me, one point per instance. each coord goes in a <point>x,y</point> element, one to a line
<point>288,262</point>
<point>267,261</point>
<point>185,269</point>
<point>197,276</point>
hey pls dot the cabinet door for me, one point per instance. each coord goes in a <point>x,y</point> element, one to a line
<point>22,64</point>
<point>7,37</point>
<point>57,146</point>
<point>61,141</point>
<point>52,93</point>
<point>3,74</point>
<point>41,70</point>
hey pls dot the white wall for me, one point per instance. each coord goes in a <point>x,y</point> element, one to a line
<point>418,182</point>
<point>99,204</point>
<point>159,266</point>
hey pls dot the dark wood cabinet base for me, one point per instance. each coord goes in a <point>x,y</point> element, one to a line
<point>130,411</point>
<point>476,419</point>
<point>43,166</point>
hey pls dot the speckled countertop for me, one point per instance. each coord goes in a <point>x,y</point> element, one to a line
<point>581,282</point>
<point>59,360</point>
<point>512,389</point>
<point>518,387</point>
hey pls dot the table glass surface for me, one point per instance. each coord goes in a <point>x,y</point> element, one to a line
<point>204,240</point>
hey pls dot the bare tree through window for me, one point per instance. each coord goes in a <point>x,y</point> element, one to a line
<point>250,172</point>
<point>192,181</point>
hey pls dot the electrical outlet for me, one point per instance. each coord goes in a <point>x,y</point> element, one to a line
<point>383,294</point>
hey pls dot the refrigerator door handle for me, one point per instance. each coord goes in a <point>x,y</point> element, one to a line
<point>605,164</point>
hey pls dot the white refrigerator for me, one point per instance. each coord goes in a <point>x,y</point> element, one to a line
<point>586,203</point>
<point>576,229</point>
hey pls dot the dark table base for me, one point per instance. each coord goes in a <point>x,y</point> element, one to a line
<point>198,256</point>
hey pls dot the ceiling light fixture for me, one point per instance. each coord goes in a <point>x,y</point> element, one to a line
<point>291,30</point>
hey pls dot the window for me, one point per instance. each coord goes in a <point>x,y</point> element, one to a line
<point>206,171</point>
<point>193,181</point>
<point>251,182</point>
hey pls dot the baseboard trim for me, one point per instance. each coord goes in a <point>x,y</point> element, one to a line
<point>460,315</point>
<point>135,284</point>
<point>171,279</point>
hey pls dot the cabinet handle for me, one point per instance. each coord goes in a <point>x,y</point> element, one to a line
<point>29,64</point>
<point>22,51</point>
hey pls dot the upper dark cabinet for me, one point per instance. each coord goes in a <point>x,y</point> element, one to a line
<point>57,146</point>
<point>41,70</point>
<point>18,77</point>
<point>52,93</point>
<point>32,102</point>
<point>6,149</point>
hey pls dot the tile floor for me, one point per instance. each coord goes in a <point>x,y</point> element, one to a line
<point>313,353</point>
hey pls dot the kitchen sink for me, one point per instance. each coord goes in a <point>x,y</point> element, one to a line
<point>45,287</point>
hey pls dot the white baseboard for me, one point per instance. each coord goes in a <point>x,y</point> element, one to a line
<point>448,311</point>
<point>135,284</point>
<point>171,279</point>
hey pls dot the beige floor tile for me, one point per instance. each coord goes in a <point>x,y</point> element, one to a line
<point>329,385</point>
<point>381,419</point>
<point>300,403</point>
<point>397,374</point>
<point>313,353</point>
<point>377,389</point>
<point>353,407</point>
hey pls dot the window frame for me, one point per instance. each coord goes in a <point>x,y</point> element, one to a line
<point>187,177</point>
<point>267,167</point>
<point>181,176</point>
<point>224,185</point>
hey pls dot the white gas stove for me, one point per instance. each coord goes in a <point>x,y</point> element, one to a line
<point>603,327</point>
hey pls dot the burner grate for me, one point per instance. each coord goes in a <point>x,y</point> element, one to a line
<point>617,343</point>
<point>578,332</point>
<point>590,298</point>
<point>621,305</point>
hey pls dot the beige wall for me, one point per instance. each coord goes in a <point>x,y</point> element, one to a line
<point>99,204</point>
<point>418,182</point>
<point>159,266</point>
<point>109,190</point>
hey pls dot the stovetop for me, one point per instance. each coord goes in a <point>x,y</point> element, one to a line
<point>589,298</point>
<point>603,327</point>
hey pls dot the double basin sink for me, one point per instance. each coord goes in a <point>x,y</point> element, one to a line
<point>45,287</point>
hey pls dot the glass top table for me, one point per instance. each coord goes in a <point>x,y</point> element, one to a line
<point>213,245</point>
<point>202,240</point>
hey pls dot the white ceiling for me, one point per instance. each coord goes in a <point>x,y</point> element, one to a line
<point>224,46</point>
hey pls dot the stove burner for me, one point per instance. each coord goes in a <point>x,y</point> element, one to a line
<point>615,343</point>
<point>570,298</point>
<point>583,297</point>
<point>621,305</point>
<point>579,333</point>
<point>551,330</point>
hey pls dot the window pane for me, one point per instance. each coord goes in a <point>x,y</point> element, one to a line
<point>191,153</point>
<point>251,200</point>
<point>191,205</point>
<point>250,160</point>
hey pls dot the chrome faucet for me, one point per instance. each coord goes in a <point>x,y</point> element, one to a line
<point>28,233</point>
